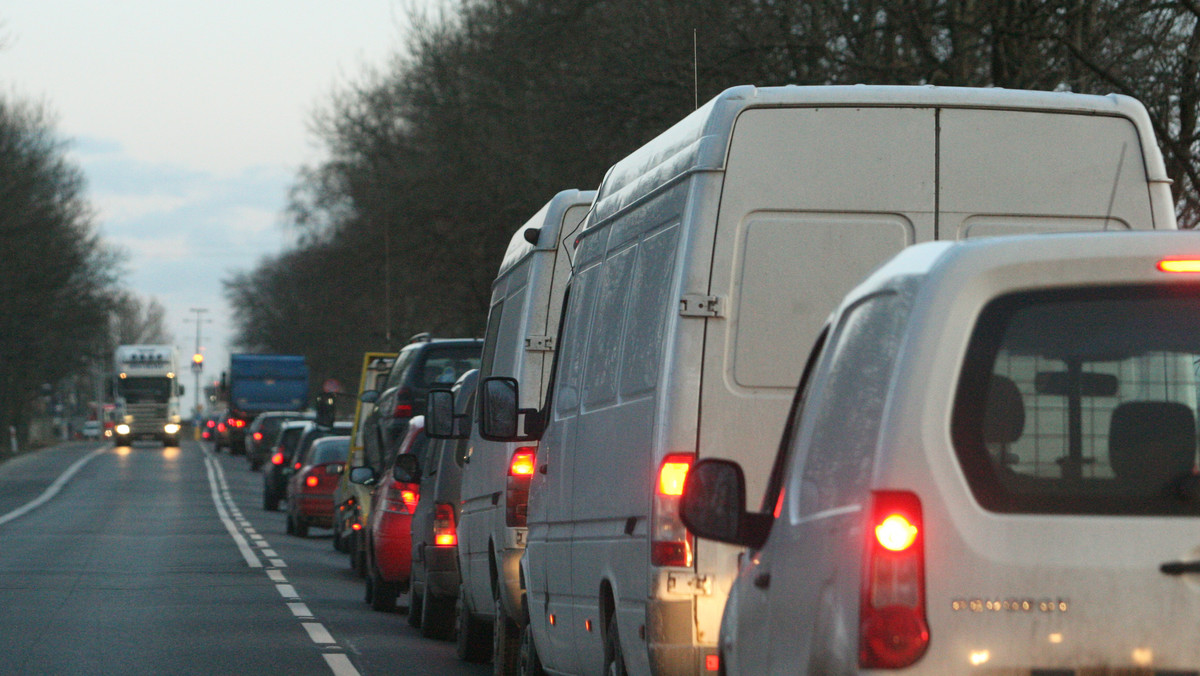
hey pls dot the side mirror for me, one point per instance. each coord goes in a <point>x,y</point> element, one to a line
<point>369,397</point>
<point>181,390</point>
<point>362,475</point>
<point>713,505</point>
<point>439,415</point>
<point>500,418</point>
<point>407,469</point>
<point>326,409</point>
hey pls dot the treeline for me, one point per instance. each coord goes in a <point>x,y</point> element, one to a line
<point>61,306</point>
<point>432,162</point>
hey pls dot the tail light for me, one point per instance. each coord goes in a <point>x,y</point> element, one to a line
<point>444,534</point>
<point>893,630</point>
<point>257,436</point>
<point>404,404</point>
<point>220,427</point>
<point>237,423</point>
<point>312,481</point>
<point>324,476</point>
<point>278,458</point>
<point>210,424</point>
<point>231,422</point>
<point>670,543</point>
<point>520,473</point>
<point>401,498</point>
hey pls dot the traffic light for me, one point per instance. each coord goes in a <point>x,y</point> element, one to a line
<point>198,362</point>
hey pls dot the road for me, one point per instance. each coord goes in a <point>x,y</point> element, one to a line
<point>161,560</point>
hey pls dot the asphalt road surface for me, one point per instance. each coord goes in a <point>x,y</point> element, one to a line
<point>150,560</point>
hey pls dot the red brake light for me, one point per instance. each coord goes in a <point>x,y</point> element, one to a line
<point>444,534</point>
<point>1179,265</point>
<point>298,465</point>
<point>670,543</point>
<point>893,630</point>
<point>410,497</point>
<point>516,499</point>
<point>404,407</point>
<point>211,424</point>
<point>311,481</point>
<point>258,436</point>
<point>277,459</point>
<point>220,427</point>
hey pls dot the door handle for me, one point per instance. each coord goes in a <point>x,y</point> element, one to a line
<point>762,580</point>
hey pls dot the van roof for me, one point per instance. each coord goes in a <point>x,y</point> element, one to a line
<point>1121,256</point>
<point>549,220</point>
<point>700,141</point>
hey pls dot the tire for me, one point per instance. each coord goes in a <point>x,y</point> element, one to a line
<point>614,660</point>
<point>472,641</point>
<point>506,643</point>
<point>358,555</point>
<point>300,527</point>
<point>270,501</point>
<point>437,615</point>
<point>415,605</point>
<point>339,535</point>
<point>255,465</point>
<point>531,664</point>
<point>383,593</point>
<point>291,526</point>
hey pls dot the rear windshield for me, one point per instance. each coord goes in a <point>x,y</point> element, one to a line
<point>441,367</point>
<point>329,450</point>
<point>1083,403</point>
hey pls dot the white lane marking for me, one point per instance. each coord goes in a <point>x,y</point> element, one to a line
<point>300,610</point>
<point>247,553</point>
<point>276,576</point>
<point>54,487</point>
<point>287,591</point>
<point>318,633</point>
<point>269,553</point>
<point>341,666</point>
<point>278,563</point>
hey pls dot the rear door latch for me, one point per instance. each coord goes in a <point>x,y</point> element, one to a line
<point>697,305</point>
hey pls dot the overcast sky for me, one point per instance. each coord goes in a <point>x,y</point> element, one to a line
<point>190,119</point>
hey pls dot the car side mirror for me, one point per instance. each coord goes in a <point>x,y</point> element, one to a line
<point>326,409</point>
<point>407,469</point>
<point>441,422</point>
<point>500,417</point>
<point>369,397</point>
<point>362,475</point>
<point>713,505</point>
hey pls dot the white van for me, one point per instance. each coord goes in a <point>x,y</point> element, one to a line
<point>708,263</point>
<point>522,323</point>
<point>991,465</point>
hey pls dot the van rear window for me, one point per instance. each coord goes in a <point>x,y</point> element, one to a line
<point>1083,402</point>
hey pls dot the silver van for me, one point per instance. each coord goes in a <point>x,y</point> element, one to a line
<point>990,466</point>
<point>709,261</point>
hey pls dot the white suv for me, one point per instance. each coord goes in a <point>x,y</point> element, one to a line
<point>990,463</point>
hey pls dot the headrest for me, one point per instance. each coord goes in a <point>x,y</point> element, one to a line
<point>1150,443</point>
<point>1004,412</point>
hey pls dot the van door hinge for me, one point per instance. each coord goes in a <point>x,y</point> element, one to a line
<point>539,343</point>
<point>696,305</point>
<point>682,583</point>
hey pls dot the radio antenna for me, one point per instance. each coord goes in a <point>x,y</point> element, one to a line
<point>695,70</point>
<point>1112,196</point>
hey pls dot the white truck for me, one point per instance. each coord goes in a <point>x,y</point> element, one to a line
<point>146,391</point>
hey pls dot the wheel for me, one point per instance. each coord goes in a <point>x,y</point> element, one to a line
<point>614,661</point>
<point>472,644</point>
<point>340,542</point>
<point>299,527</point>
<point>270,500</point>
<point>531,664</point>
<point>255,465</point>
<point>383,594</point>
<point>415,604</point>
<point>506,642</point>
<point>437,615</point>
<point>291,525</point>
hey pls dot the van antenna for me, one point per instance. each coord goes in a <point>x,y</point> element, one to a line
<point>1112,196</point>
<point>695,70</point>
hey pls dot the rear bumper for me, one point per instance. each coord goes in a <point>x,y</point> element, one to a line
<point>393,547</point>
<point>669,640</point>
<point>441,570</point>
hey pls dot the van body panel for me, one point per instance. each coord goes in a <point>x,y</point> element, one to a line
<point>777,202</point>
<point>525,310</point>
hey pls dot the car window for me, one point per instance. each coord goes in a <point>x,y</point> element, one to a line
<point>1082,402</point>
<point>334,449</point>
<point>441,367</point>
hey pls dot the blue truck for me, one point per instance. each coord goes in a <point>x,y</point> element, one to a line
<point>262,382</point>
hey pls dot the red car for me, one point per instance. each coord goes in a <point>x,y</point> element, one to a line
<point>310,487</point>
<point>389,525</point>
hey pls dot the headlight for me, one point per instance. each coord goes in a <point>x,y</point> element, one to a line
<point>122,429</point>
<point>171,428</point>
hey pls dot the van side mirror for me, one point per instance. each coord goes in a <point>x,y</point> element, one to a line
<point>713,505</point>
<point>500,418</point>
<point>441,422</point>
<point>362,475</point>
<point>407,469</point>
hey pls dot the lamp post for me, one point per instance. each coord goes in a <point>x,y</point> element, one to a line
<point>198,356</point>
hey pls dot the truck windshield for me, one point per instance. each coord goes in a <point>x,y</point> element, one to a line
<point>144,389</point>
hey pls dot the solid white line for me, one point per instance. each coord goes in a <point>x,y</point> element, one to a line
<point>243,546</point>
<point>54,488</point>
<point>341,666</point>
<point>317,632</point>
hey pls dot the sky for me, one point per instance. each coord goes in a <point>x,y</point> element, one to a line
<point>190,119</point>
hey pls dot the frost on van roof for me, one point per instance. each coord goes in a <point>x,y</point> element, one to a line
<point>700,141</point>
<point>549,220</point>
